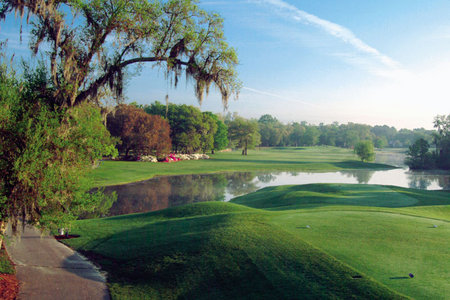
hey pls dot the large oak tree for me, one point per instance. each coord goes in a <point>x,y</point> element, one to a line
<point>90,44</point>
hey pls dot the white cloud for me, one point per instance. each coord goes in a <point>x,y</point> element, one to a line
<point>286,99</point>
<point>366,56</point>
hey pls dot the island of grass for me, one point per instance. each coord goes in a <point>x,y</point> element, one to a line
<point>318,159</point>
<point>314,241</point>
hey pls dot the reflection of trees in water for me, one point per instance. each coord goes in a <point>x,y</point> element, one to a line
<point>267,177</point>
<point>362,176</point>
<point>444,182</point>
<point>163,192</point>
<point>241,183</point>
<point>141,197</point>
<point>104,206</point>
<point>197,188</point>
<point>421,180</point>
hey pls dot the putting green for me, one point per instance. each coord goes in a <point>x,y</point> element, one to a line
<point>384,246</point>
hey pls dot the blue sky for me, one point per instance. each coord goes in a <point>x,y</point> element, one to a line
<point>374,62</point>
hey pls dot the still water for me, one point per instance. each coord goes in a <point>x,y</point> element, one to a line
<point>162,192</point>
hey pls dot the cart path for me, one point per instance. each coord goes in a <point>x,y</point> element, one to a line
<point>47,269</point>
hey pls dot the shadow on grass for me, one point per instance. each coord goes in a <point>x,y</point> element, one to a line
<point>272,162</point>
<point>289,148</point>
<point>353,164</point>
<point>350,164</point>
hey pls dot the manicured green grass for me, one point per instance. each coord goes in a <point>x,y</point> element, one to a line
<point>314,195</point>
<point>261,249</point>
<point>384,232</point>
<point>384,246</point>
<point>218,251</point>
<point>273,159</point>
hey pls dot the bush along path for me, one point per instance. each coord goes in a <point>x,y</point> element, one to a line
<point>46,269</point>
<point>9,285</point>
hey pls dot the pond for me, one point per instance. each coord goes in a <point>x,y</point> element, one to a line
<point>162,192</point>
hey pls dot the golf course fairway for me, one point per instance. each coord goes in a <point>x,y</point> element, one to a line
<point>286,242</point>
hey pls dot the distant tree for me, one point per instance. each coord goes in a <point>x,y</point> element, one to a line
<point>140,133</point>
<point>442,141</point>
<point>191,130</point>
<point>328,134</point>
<point>365,150</point>
<point>271,130</point>
<point>182,124</point>
<point>386,132</point>
<point>221,135</point>
<point>418,156</point>
<point>244,133</point>
<point>207,130</point>
<point>297,134</point>
<point>380,142</point>
<point>311,136</point>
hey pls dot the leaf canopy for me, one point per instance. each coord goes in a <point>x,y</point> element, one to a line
<point>90,44</point>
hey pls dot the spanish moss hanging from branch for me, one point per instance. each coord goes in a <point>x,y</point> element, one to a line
<point>91,44</point>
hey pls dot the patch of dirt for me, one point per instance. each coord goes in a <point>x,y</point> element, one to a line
<point>9,285</point>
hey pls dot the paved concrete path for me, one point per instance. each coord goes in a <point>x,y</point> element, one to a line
<point>46,269</point>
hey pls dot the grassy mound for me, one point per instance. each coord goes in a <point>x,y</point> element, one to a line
<point>317,195</point>
<point>308,241</point>
<point>223,252</point>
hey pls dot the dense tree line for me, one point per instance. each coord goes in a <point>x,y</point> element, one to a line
<point>191,130</point>
<point>143,129</point>
<point>275,133</point>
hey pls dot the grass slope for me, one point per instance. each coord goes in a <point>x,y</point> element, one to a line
<point>262,248</point>
<point>273,159</point>
<point>319,195</point>
<point>217,251</point>
<point>384,246</point>
<point>385,232</point>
